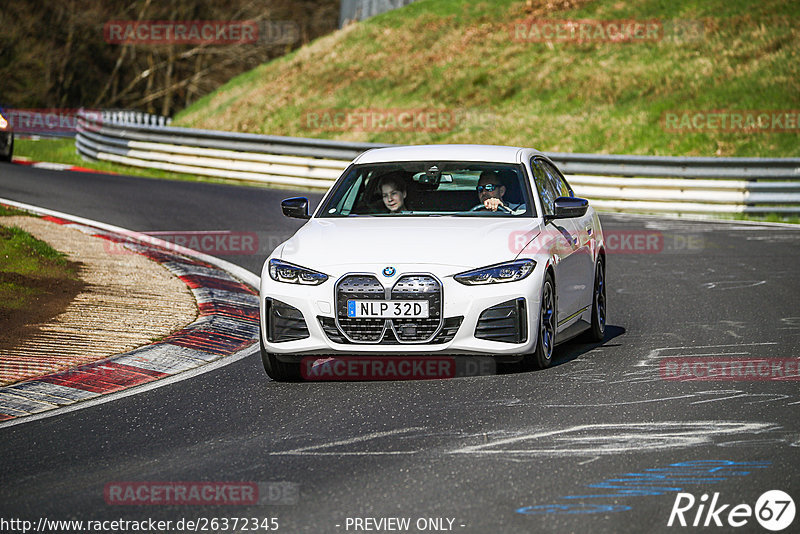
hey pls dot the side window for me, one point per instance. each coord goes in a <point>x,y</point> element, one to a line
<point>544,186</point>
<point>559,184</point>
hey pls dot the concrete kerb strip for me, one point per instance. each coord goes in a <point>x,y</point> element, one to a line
<point>225,331</point>
<point>20,160</point>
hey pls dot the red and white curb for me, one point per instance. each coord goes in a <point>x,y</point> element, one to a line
<point>226,330</point>
<point>19,160</point>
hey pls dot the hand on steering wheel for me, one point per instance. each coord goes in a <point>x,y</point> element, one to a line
<point>501,206</point>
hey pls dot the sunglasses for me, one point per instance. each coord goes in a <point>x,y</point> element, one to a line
<point>487,187</point>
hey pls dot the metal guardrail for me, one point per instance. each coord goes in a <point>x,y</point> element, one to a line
<point>275,160</point>
<point>351,10</point>
<point>617,183</point>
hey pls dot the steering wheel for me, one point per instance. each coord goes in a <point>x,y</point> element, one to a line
<point>503,207</point>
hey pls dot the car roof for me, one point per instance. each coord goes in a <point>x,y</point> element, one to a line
<point>483,153</point>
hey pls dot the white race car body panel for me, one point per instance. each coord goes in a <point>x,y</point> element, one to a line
<point>454,241</point>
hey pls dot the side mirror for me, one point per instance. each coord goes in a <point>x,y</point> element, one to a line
<point>296,207</point>
<point>569,207</point>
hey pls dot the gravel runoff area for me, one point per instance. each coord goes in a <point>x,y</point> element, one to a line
<point>128,301</point>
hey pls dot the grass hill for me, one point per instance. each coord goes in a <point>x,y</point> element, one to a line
<point>502,86</point>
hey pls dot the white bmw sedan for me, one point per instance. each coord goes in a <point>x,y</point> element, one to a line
<point>436,250</point>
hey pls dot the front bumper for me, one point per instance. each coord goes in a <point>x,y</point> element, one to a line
<point>464,320</point>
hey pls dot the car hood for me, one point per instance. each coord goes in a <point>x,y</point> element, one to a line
<point>456,241</point>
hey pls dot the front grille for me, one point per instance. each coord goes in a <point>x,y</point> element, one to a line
<point>328,325</point>
<point>449,329</point>
<point>418,287</point>
<point>445,335</point>
<point>284,322</point>
<point>361,287</point>
<point>387,331</point>
<point>505,322</point>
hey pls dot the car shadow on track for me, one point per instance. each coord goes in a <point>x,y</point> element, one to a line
<point>572,349</point>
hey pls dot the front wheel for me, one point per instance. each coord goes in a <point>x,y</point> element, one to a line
<point>277,370</point>
<point>598,330</point>
<point>542,356</point>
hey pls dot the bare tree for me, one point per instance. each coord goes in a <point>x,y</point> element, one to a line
<point>58,56</point>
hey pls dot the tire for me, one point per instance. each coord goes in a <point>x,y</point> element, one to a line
<point>542,356</point>
<point>598,330</point>
<point>277,370</point>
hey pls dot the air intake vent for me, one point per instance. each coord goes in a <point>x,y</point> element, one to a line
<point>505,322</point>
<point>284,322</point>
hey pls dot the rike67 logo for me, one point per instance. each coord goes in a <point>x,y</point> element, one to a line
<point>774,510</point>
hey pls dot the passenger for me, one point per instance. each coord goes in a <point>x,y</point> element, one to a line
<point>393,191</point>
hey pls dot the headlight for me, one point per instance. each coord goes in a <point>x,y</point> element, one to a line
<point>280,271</point>
<point>3,122</point>
<point>497,274</point>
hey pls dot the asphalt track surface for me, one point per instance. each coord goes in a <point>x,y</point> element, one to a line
<point>600,442</point>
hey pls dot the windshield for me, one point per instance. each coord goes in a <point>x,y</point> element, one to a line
<point>424,189</point>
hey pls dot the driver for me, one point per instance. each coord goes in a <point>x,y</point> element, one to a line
<point>490,193</point>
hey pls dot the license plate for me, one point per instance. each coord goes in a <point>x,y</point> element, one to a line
<point>388,309</point>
